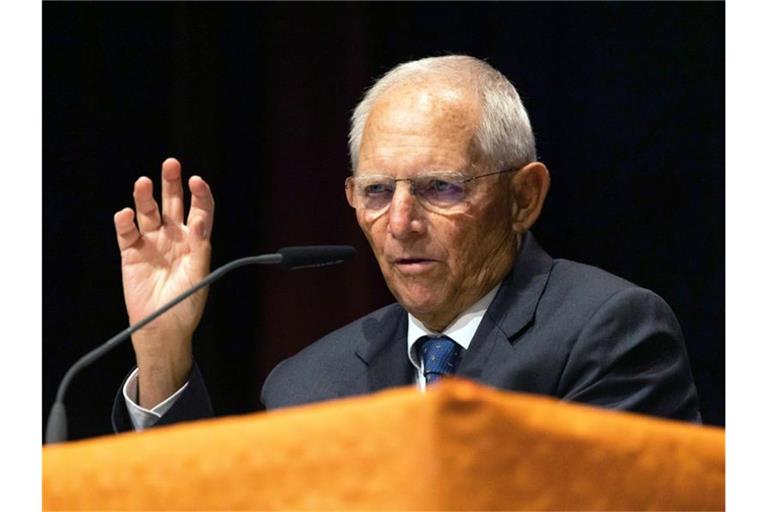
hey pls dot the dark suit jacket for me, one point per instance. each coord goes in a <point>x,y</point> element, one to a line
<point>555,328</point>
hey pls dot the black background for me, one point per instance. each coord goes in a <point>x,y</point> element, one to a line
<point>626,100</point>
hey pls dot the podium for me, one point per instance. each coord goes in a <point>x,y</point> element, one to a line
<point>457,446</point>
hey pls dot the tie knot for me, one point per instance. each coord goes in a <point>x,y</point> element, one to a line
<point>440,356</point>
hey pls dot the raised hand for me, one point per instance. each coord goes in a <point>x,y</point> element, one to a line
<point>161,257</point>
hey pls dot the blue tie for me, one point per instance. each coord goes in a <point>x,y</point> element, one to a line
<point>440,356</point>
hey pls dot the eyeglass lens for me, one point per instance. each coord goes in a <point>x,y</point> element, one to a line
<point>440,192</point>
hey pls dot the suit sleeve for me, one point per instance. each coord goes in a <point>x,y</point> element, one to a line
<point>193,404</point>
<point>630,355</point>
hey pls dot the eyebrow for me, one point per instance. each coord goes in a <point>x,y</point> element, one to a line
<point>462,172</point>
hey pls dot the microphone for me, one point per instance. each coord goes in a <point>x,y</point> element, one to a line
<point>315,255</point>
<point>291,258</point>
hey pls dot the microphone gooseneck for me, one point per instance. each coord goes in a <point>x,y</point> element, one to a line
<point>290,257</point>
<point>307,256</point>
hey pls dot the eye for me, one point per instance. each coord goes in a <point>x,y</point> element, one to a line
<point>442,192</point>
<point>441,186</point>
<point>376,189</point>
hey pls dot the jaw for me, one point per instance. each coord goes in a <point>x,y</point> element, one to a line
<point>428,299</point>
<point>436,299</point>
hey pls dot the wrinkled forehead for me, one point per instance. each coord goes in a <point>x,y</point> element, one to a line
<point>434,120</point>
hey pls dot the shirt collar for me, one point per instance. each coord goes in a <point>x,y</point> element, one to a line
<point>461,330</point>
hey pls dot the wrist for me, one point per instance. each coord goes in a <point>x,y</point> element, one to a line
<point>162,374</point>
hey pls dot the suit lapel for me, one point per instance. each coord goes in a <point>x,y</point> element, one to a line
<point>384,350</point>
<point>511,311</point>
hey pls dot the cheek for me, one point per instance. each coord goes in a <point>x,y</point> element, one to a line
<point>470,246</point>
<point>361,222</point>
<point>373,232</point>
<point>459,238</point>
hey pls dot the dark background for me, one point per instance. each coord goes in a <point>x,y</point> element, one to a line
<point>626,99</point>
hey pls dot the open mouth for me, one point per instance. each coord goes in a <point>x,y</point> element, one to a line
<point>414,265</point>
<point>412,261</point>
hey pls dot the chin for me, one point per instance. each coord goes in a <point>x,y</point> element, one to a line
<point>418,295</point>
<point>419,305</point>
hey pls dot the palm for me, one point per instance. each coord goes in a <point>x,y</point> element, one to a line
<point>162,256</point>
<point>160,266</point>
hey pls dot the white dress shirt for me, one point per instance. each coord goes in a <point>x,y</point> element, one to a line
<point>461,330</point>
<point>141,417</point>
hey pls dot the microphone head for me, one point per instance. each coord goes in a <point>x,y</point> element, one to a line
<point>305,256</point>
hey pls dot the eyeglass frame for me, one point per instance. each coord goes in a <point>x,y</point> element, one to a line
<point>350,180</point>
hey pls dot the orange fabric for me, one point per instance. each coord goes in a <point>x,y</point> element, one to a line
<point>459,446</point>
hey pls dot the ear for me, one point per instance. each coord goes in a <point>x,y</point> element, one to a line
<point>348,190</point>
<point>529,189</point>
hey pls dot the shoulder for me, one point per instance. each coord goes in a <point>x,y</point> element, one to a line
<point>588,282</point>
<point>343,341</point>
<point>583,305</point>
<point>321,370</point>
<point>557,292</point>
<point>584,288</point>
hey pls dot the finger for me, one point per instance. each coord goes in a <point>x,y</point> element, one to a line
<point>127,234</point>
<point>200,220</point>
<point>147,212</point>
<point>173,193</point>
<point>200,243</point>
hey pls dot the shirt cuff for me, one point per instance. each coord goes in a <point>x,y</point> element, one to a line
<point>140,417</point>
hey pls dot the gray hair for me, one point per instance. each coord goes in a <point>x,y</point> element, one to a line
<point>504,134</point>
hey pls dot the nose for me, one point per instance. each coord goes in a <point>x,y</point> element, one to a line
<point>405,213</point>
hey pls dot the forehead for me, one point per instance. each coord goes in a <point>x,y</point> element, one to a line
<point>421,125</point>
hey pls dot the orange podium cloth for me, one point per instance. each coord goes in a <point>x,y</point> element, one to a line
<point>458,446</point>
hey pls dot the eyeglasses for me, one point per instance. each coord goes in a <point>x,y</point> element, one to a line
<point>442,191</point>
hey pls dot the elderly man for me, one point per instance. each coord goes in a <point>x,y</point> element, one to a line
<point>446,187</point>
